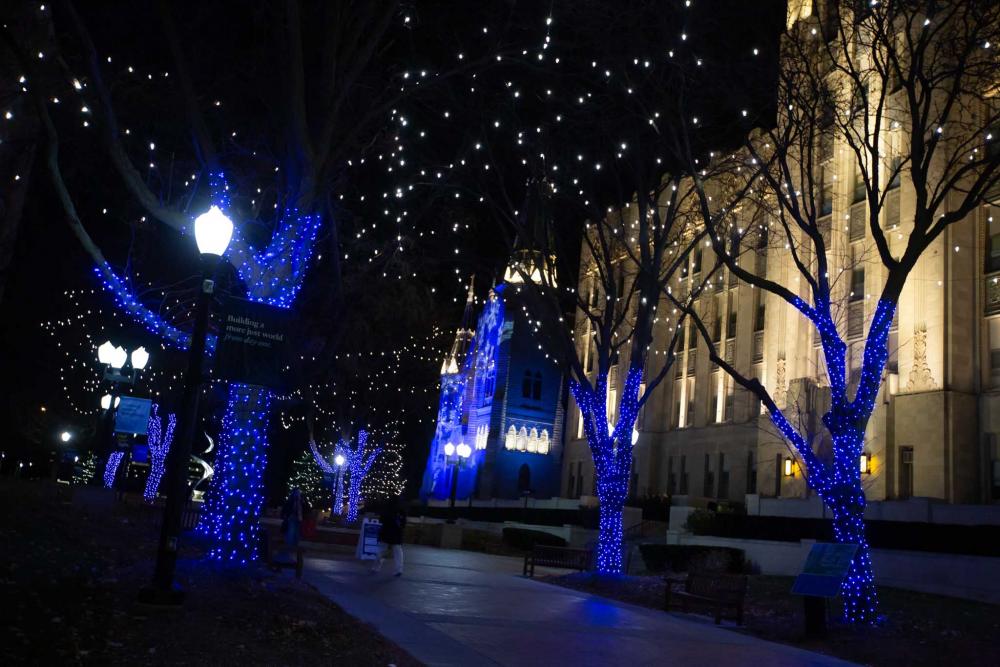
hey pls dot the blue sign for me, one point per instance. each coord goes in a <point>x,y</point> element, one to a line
<point>132,415</point>
<point>826,566</point>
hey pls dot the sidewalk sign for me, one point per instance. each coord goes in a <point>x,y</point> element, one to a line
<point>826,566</point>
<point>368,548</point>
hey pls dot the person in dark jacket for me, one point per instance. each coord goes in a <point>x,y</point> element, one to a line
<point>393,520</point>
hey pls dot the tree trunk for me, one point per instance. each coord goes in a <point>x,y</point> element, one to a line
<point>231,516</point>
<point>610,535</point>
<point>353,496</point>
<point>858,589</point>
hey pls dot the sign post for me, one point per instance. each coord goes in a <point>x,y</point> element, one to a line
<point>822,575</point>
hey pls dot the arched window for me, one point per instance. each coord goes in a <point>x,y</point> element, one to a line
<point>511,441</point>
<point>533,441</point>
<point>526,385</point>
<point>543,442</point>
<point>490,384</point>
<point>536,392</point>
<point>522,439</point>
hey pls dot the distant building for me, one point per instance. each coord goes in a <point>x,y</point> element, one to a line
<point>503,398</point>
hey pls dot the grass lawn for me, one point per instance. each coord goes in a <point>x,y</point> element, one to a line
<point>69,578</point>
<point>919,629</point>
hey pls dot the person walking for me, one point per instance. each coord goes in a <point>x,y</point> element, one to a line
<point>295,509</point>
<point>393,520</point>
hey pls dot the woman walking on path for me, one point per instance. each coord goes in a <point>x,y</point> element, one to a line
<point>393,520</point>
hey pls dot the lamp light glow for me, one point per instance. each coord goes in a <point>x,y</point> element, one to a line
<point>788,466</point>
<point>866,463</point>
<point>65,436</point>
<point>140,358</point>
<point>118,357</point>
<point>463,450</point>
<point>449,449</point>
<point>212,231</point>
<point>105,353</point>
<point>339,459</point>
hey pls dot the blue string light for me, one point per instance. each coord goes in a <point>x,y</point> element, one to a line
<point>230,517</point>
<point>611,450</point>
<point>111,469</point>
<point>358,464</point>
<point>838,483</point>
<point>158,442</point>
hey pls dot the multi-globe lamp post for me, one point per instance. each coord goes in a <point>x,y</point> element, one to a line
<point>455,456</point>
<point>213,231</point>
<point>121,368</point>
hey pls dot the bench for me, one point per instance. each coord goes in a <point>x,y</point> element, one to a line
<point>275,564</point>
<point>720,591</point>
<point>573,559</point>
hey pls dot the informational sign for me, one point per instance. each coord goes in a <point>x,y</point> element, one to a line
<point>368,548</point>
<point>826,566</point>
<point>132,415</point>
<point>251,344</point>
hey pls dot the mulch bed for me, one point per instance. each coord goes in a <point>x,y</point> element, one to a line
<point>918,629</point>
<point>70,577</point>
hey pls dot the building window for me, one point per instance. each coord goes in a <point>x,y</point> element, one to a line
<point>905,472</point>
<point>579,479</point>
<point>684,476</point>
<point>671,477</point>
<point>857,283</point>
<point>696,260</point>
<point>579,425</point>
<point>571,483</point>
<point>511,441</point>
<point>860,191</point>
<point>760,311</point>
<point>526,385</point>
<point>489,386</point>
<point>731,324</point>
<point>993,244</point>
<point>642,411</point>
<point>536,387</point>
<point>751,472</point>
<point>723,489</point>
<point>825,191</point>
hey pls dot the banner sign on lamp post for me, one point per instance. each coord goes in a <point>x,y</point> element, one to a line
<point>251,343</point>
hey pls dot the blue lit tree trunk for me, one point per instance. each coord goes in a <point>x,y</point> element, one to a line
<point>611,449</point>
<point>359,462</point>
<point>231,512</point>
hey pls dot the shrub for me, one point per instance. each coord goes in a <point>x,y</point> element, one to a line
<point>685,558</point>
<point>525,540</point>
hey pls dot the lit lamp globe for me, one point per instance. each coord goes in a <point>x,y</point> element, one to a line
<point>65,436</point>
<point>464,450</point>
<point>106,401</point>
<point>118,357</point>
<point>449,449</point>
<point>106,352</point>
<point>339,459</point>
<point>139,358</point>
<point>212,231</point>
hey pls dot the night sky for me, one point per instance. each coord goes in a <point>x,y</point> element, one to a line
<point>408,240</point>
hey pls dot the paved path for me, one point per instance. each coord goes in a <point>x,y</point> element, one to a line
<point>463,608</point>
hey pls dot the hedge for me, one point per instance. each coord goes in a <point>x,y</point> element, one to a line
<point>525,540</point>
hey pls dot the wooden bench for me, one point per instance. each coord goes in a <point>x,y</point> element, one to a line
<point>270,552</point>
<point>573,559</point>
<point>720,591</point>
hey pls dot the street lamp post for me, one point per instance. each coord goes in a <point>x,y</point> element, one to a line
<point>213,231</point>
<point>338,487</point>
<point>120,368</point>
<point>456,456</point>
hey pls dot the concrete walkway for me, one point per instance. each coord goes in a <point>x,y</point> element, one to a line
<point>463,608</point>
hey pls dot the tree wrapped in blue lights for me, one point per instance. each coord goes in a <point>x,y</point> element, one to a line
<point>111,468</point>
<point>897,112</point>
<point>360,458</point>
<point>158,439</point>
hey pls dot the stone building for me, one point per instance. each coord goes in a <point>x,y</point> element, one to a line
<point>934,432</point>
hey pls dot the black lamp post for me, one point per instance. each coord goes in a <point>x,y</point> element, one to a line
<point>213,231</point>
<point>456,457</point>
